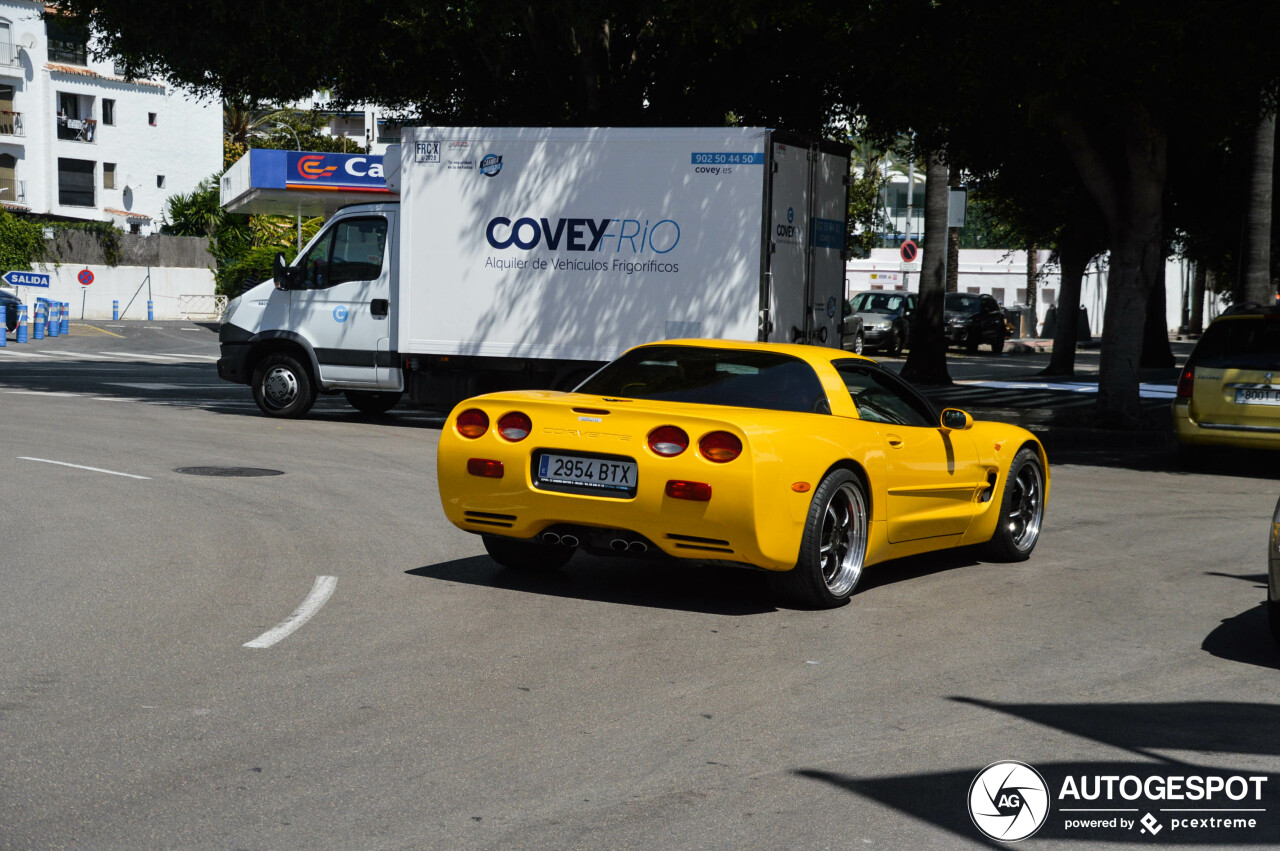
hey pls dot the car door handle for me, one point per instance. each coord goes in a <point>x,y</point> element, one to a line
<point>895,441</point>
<point>380,306</point>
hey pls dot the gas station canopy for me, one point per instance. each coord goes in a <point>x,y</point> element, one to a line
<point>302,183</point>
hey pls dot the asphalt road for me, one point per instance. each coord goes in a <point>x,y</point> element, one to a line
<point>436,701</point>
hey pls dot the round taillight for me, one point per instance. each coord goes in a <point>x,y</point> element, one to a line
<point>472,423</point>
<point>514,426</point>
<point>720,446</point>
<point>668,441</point>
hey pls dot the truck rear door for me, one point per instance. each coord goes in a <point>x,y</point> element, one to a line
<point>808,211</point>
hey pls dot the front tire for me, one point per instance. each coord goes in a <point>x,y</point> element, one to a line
<point>894,347</point>
<point>528,556</point>
<point>1021,509</point>
<point>372,401</point>
<point>282,387</point>
<point>998,346</point>
<point>834,545</point>
<point>859,343</point>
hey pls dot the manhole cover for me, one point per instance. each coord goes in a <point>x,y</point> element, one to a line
<point>239,472</point>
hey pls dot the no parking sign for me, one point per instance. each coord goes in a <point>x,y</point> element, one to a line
<point>85,277</point>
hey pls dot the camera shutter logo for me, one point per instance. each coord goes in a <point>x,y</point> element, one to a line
<point>1008,801</point>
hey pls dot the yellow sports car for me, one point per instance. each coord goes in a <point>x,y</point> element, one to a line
<point>810,462</point>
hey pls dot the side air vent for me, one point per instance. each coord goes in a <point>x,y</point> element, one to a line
<point>690,542</point>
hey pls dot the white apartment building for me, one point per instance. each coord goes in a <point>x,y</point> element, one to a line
<point>367,127</point>
<point>79,141</point>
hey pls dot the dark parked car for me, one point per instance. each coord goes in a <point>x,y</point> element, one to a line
<point>886,318</point>
<point>972,320</point>
<point>10,300</point>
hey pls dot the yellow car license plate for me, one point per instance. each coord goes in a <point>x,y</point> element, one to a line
<point>599,475</point>
<point>1258,394</point>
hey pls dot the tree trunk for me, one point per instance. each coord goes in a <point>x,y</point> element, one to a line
<point>953,241</point>
<point>1200,283</point>
<point>1033,291</point>
<point>1258,286</point>
<point>1156,352</point>
<point>1074,257</point>
<point>927,358</point>
<point>1130,198</point>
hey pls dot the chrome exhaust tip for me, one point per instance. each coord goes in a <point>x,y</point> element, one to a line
<point>618,545</point>
<point>637,548</point>
<point>550,538</point>
<point>569,540</point>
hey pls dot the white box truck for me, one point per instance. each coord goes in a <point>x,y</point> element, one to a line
<point>526,257</point>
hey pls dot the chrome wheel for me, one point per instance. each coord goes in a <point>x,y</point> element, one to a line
<point>1025,507</point>
<point>280,386</point>
<point>843,540</point>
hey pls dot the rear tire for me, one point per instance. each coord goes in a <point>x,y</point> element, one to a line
<point>526,555</point>
<point>282,387</point>
<point>834,545</point>
<point>372,401</point>
<point>998,346</point>
<point>1021,509</point>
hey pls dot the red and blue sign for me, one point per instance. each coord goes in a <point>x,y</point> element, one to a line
<point>85,277</point>
<point>333,171</point>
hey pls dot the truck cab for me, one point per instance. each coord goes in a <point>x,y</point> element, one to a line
<point>325,324</point>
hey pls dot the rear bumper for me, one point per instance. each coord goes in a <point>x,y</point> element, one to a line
<point>1190,432</point>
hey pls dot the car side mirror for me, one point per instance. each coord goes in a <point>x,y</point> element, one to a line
<point>954,419</point>
<point>287,277</point>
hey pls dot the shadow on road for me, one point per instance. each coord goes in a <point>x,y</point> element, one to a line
<point>690,587</point>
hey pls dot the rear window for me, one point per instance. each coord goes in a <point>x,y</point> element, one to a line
<point>1252,343</point>
<point>743,379</point>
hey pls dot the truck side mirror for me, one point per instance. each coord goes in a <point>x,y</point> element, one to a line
<point>287,277</point>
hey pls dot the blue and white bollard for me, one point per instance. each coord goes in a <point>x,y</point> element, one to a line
<point>115,311</point>
<point>151,314</point>
<point>66,318</point>
<point>40,320</point>
<point>22,323</point>
<point>55,319</point>
<point>4,325</point>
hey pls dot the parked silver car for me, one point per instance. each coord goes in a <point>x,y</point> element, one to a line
<point>886,318</point>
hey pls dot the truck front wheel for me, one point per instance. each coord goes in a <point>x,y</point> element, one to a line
<point>282,386</point>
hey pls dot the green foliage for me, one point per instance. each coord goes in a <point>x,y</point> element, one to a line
<point>21,242</point>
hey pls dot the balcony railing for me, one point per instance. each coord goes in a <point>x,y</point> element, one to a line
<point>11,123</point>
<point>77,130</point>
<point>69,52</point>
<point>12,189</point>
<point>9,55</point>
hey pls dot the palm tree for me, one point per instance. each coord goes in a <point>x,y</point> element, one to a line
<point>243,120</point>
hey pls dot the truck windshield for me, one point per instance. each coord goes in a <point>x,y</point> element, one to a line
<point>744,379</point>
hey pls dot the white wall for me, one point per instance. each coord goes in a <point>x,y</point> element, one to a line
<point>124,284</point>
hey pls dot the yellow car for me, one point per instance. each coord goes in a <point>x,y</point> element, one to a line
<point>810,462</point>
<point>1229,391</point>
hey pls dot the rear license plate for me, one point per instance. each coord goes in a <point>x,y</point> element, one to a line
<point>1261,394</point>
<point>598,475</point>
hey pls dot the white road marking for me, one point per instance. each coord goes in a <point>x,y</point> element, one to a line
<point>82,467</point>
<point>321,591</point>
<point>43,393</point>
